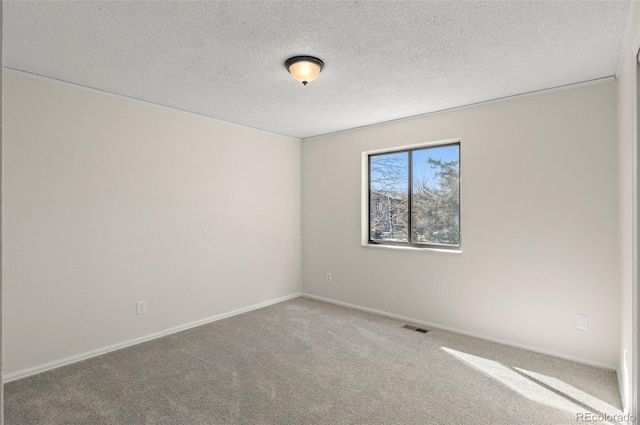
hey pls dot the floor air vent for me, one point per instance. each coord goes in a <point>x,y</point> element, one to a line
<point>415,328</point>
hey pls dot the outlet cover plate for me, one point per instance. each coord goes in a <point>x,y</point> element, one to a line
<point>582,321</point>
<point>141,307</point>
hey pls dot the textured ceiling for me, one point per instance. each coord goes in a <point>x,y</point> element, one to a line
<point>383,60</point>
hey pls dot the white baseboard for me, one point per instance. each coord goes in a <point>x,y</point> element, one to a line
<point>458,331</point>
<point>97,352</point>
<point>623,395</point>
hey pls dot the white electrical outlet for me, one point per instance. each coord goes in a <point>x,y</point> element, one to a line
<point>141,307</point>
<point>329,278</point>
<point>582,321</point>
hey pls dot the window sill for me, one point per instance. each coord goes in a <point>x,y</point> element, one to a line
<point>410,248</point>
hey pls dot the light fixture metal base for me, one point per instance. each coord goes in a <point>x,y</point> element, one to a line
<point>297,59</point>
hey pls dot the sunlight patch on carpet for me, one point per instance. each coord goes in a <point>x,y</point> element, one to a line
<point>528,384</point>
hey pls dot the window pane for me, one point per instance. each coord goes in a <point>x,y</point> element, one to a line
<point>436,195</point>
<point>389,194</point>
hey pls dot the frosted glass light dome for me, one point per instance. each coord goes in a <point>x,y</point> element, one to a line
<point>304,68</point>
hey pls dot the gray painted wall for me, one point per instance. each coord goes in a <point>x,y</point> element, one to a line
<point>539,220</point>
<point>108,201</point>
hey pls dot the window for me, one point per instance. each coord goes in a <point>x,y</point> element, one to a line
<point>414,197</point>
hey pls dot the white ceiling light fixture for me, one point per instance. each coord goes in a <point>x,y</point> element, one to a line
<point>304,68</point>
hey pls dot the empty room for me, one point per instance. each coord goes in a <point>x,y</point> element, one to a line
<point>312,212</point>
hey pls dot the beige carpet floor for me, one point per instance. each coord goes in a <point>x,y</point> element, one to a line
<point>308,362</point>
